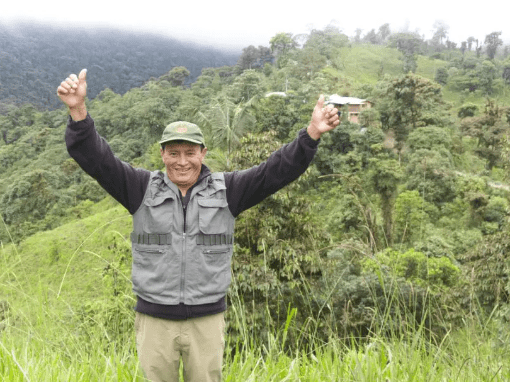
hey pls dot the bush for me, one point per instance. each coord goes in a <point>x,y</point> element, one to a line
<point>362,295</point>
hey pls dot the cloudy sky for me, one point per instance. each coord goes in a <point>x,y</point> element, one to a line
<point>236,24</point>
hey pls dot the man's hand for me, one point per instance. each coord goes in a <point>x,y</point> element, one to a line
<point>323,119</point>
<point>72,91</point>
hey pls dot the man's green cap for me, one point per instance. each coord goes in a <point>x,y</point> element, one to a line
<point>182,131</point>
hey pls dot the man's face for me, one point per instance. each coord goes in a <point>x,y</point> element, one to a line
<point>183,162</point>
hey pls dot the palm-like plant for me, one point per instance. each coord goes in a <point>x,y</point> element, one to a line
<point>227,122</point>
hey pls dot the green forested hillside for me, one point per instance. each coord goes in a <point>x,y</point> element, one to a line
<point>393,245</point>
<point>33,58</point>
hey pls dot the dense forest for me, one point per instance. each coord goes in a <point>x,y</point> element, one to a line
<point>35,57</point>
<point>400,224</point>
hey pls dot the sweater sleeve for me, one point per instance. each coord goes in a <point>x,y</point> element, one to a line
<point>121,180</point>
<point>248,187</point>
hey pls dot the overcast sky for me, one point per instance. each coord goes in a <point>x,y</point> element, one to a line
<point>236,24</point>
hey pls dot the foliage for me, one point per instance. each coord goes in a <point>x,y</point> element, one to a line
<point>431,173</point>
<point>281,45</point>
<point>326,41</point>
<point>408,44</point>
<point>277,114</point>
<point>34,59</point>
<point>252,57</point>
<point>490,130</point>
<point>487,270</point>
<point>246,86</point>
<point>385,175</point>
<point>409,102</point>
<point>432,272</point>
<point>226,122</point>
<point>378,294</point>
<point>21,209</point>
<point>176,76</point>
<point>441,76</point>
<point>467,110</point>
<point>409,176</point>
<point>277,244</point>
<point>492,42</point>
<point>412,215</point>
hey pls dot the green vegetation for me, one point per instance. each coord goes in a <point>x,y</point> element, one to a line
<point>386,260</point>
<point>35,57</point>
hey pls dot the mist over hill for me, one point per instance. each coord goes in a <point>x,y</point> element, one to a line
<point>34,58</point>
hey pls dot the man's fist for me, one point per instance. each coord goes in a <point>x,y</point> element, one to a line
<point>72,91</point>
<point>323,119</point>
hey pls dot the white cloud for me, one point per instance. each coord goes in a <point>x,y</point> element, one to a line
<point>230,23</point>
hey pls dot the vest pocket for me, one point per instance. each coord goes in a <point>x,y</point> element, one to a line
<point>155,270</point>
<point>159,214</point>
<point>213,271</point>
<point>213,216</point>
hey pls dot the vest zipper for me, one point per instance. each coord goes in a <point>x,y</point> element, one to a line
<point>183,258</point>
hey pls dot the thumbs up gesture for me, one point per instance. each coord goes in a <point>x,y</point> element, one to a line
<point>323,119</point>
<point>72,91</point>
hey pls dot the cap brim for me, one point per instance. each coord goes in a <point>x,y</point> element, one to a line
<point>181,139</point>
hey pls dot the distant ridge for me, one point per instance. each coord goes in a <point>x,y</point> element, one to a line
<point>34,58</point>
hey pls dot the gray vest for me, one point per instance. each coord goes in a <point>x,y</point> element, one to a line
<point>177,261</point>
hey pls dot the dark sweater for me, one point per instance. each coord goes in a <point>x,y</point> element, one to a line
<point>127,185</point>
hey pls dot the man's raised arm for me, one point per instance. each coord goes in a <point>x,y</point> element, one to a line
<point>121,180</point>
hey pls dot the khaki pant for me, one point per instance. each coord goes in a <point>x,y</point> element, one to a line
<point>198,341</point>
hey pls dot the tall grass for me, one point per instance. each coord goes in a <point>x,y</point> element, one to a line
<point>48,335</point>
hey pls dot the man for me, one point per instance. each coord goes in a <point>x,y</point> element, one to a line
<point>183,229</point>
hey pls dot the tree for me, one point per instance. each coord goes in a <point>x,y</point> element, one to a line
<point>176,76</point>
<point>278,244</point>
<point>246,86</point>
<point>265,56</point>
<point>470,42</point>
<point>310,62</point>
<point>430,138</point>
<point>486,73</point>
<point>467,110</point>
<point>371,37</point>
<point>277,114</point>
<point>431,173</point>
<point>441,32</point>
<point>450,45</point>
<point>281,45</point>
<point>492,41</point>
<point>357,35</point>
<point>226,123</point>
<point>441,75</point>
<point>463,47</point>
<point>411,217</point>
<point>248,57</point>
<point>384,32</point>
<point>326,41</point>
<point>408,44</point>
<point>506,73</point>
<point>29,199</point>
<point>489,273</point>
<point>491,132</point>
<point>150,116</point>
<point>408,102</point>
<point>252,57</point>
<point>207,84</point>
<point>385,175</point>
